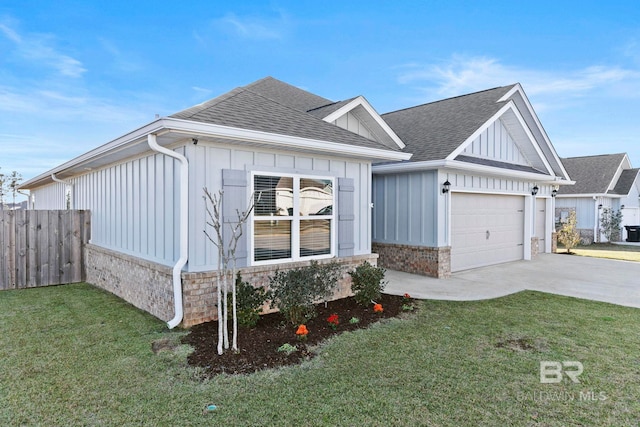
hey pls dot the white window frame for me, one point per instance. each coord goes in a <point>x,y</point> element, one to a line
<point>295,219</point>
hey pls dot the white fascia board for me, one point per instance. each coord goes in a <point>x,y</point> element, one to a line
<point>518,88</point>
<point>466,167</point>
<point>281,141</point>
<point>361,101</point>
<point>524,125</point>
<point>167,124</point>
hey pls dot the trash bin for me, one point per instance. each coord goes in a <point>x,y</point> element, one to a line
<point>633,233</point>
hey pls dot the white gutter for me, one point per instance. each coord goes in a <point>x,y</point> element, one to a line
<point>184,228</point>
<point>67,183</point>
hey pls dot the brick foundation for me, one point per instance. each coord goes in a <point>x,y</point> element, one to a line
<point>199,289</point>
<point>148,285</point>
<point>145,284</point>
<point>428,261</point>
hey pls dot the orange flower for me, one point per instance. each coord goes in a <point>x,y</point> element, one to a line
<point>407,296</point>
<point>377,308</point>
<point>302,331</point>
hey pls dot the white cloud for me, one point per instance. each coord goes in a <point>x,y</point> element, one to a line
<point>39,49</point>
<point>255,28</point>
<point>461,75</point>
<point>202,91</point>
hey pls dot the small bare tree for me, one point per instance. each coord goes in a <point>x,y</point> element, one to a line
<point>610,224</point>
<point>226,259</point>
<point>3,182</point>
<point>14,182</point>
<point>568,235</point>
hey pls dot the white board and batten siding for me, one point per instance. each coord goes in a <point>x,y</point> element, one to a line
<point>496,143</point>
<point>207,161</point>
<point>351,123</point>
<point>585,208</point>
<point>134,204</point>
<point>50,197</point>
<point>405,208</point>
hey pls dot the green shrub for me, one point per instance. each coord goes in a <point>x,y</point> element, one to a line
<point>294,292</point>
<point>249,301</point>
<point>367,283</point>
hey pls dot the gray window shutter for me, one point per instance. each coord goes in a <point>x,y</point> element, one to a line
<point>346,217</point>
<point>234,200</point>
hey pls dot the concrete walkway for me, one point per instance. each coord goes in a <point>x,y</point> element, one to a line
<point>598,279</point>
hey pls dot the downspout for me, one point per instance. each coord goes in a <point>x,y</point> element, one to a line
<point>184,228</point>
<point>596,233</point>
<point>29,198</point>
<point>68,184</point>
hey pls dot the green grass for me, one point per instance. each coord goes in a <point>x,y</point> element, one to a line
<point>74,355</point>
<point>605,250</point>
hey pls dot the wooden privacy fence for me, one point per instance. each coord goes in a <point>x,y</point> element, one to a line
<point>42,248</point>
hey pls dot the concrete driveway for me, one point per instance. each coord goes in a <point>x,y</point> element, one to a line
<point>597,279</point>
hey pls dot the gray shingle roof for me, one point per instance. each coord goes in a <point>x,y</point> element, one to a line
<point>287,94</point>
<point>325,110</point>
<point>592,174</point>
<point>433,131</point>
<point>496,163</point>
<point>270,105</point>
<point>626,180</point>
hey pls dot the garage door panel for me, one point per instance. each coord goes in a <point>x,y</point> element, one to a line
<point>472,216</point>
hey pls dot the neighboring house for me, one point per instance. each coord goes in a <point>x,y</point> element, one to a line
<point>477,191</point>
<point>604,181</point>
<point>305,159</point>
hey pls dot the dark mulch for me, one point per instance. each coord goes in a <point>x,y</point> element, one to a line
<point>259,346</point>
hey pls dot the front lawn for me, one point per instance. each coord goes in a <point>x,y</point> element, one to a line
<point>606,250</point>
<point>74,355</point>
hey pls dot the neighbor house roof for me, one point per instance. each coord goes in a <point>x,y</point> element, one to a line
<point>592,174</point>
<point>626,180</point>
<point>270,105</point>
<point>435,130</point>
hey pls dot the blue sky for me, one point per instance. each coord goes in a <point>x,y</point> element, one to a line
<point>76,74</point>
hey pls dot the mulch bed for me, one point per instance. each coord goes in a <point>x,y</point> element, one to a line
<point>259,346</point>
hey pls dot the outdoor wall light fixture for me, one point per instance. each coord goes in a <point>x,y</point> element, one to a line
<point>554,193</point>
<point>195,141</point>
<point>534,190</point>
<point>446,187</point>
<point>600,206</point>
<point>622,207</point>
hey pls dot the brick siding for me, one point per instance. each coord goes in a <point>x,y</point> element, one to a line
<point>427,261</point>
<point>149,286</point>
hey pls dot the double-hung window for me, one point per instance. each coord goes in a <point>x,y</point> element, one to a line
<point>293,217</point>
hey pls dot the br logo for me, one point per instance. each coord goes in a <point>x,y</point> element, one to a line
<point>551,372</point>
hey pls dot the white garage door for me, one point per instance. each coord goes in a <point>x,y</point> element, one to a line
<point>486,229</point>
<point>541,217</point>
